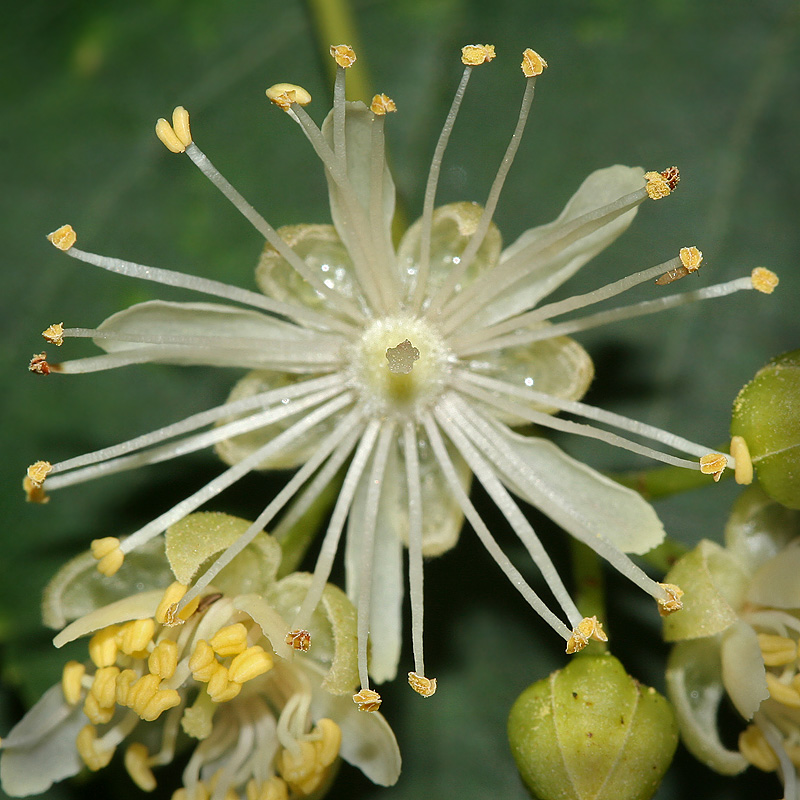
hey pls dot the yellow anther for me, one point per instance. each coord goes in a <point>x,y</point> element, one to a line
<point>180,125</point>
<point>158,704</point>
<point>343,55</point>
<point>300,769</point>
<point>755,748</point>
<point>588,628</point>
<point>422,685</point>
<point>777,650</point>
<point>54,334</point>
<point>200,793</point>
<point>401,358</point>
<point>220,688</point>
<point>89,749</point>
<point>95,713</point>
<point>367,700</point>
<point>691,258</point>
<point>299,640</point>
<point>137,764</point>
<point>672,602</point>
<point>63,238</point>
<point>250,664</point>
<point>71,679</point>
<point>164,659</point>
<point>273,788</point>
<point>532,63</point>
<point>142,692</point>
<point>764,280</point>
<point>168,137</point>
<point>202,662</point>
<point>125,681</point>
<point>34,494</point>
<point>134,636</point>
<point>656,187</point>
<point>474,54</point>
<point>38,472</point>
<point>172,596</point>
<point>109,556</point>
<point>104,686</point>
<point>103,646</point>
<point>230,640</point>
<point>743,471</point>
<point>329,742</point>
<point>782,693</point>
<point>382,104</point>
<point>713,464</point>
<point>39,365</point>
<point>284,94</point>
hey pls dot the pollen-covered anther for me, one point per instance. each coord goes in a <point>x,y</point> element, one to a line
<point>656,186</point>
<point>38,471</point>
<point>164,659</point>
<point>137,764</point>
<point>71,681</point>
<point>532,63</point>
<point>713,464</point>
<point>382,104</point>
<point>39,365</point>
<point>343,55</point>
<point>672,602</point>
<point>203,662</point>
<point>63,238</point>
<point>367,700</point>
<point>104,686</point>
<point>230,640</point>
<point>108,554</point>
<point>401,358</point>
<point>169,602</point>
<point>125,681</point>
<point>284,94</point>
<point>92,753</point>
<point>250,664</point>
<point>588,628</point>
<point>299,640</point>
<point>422,685</point>
<point>136,635</point>
<point>691,258</point>
<point>54,334</point>
<point>473,55</point>
<point>743,471</point>
<point>161,701</point>
<point>764,280</point>
<point>755,748</point>
<point>103,647</point>
<point>167,136</point>
<point>220,687</point>
<point>777,651</point>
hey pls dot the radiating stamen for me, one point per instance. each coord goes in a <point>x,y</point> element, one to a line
<point>345,57</point>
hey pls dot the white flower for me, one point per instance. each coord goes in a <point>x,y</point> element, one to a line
<point>738,635</point>
<point>267,721</point>
<point>411,366</point>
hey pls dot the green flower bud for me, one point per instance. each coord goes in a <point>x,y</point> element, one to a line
<point>591,731</point>
<point>766,414</point>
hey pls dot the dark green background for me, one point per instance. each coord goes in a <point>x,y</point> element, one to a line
<point>710,86</point>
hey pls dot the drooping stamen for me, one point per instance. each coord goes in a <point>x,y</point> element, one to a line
<point>480,528</point>
<point>453,279</point>
<point>471,55</point>
<point>453,417</point>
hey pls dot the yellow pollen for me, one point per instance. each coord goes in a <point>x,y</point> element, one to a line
<point>180,125</point>
<point>202,662</point>
<point>142,691</point>
<point>164,659</point>
<point>532,63</point>
<point>475,54</point>
<point>764,280</point>
<point>71,679</point>
<point>229,641</point>
<point>109,556</point>
<point>90,750</point>
<point>367,700</point>
<point>125,681</point>
<point>220,687</point>
<point>38,364</point>
<point>299,640</point>
<point>755,748</point>
<point>95,713</point>
<point>162,700</point>
<point>743,471</point>
<point>134,636</point>
<point>284,94</point>
<point>777,650</point>
<point>422,685</point>
<point>786,695</point>
<point>172,596</point>
<point>401,358</point>
<point>343,55</point>
<point>691,258</point>
<point>588,628</point>
<point>38,472</point>
<point>138,767</point>
<point>168,137</point>
<point>250,664</point>
<point>54,334</point>
<point>656,187</point>
<point>103,646</point>
<point>63,238</point>
<point>713,464</point>
<point>672,602</point>
<point>382,104</point>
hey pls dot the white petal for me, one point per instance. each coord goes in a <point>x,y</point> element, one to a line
<point>40,749</point>
<point>546,272</point>
<point>743,672</point>
<point>581,500</point>
<point>777,583</point>
<point>694,686</point>
<point>138,606</point>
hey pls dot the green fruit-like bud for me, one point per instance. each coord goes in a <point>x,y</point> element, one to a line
<point>592,731</point>
<point>766,414</point>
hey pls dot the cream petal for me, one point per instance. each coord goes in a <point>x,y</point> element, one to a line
<point>694,686</point>
<point>777,583</point>
<point>40,749</point>
<point>581,500</point>
<point>451,230</point>
<point>545,272</point>
<point>246,338</point>
<point>272,624</point>
<point>743,672</point>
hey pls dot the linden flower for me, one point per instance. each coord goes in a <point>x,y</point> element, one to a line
<point>739,635</point>
<point>266,719</point>
<point>408,367</point>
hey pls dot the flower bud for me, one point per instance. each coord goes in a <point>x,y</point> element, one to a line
<point>765,415</point>
<point>591,731</point>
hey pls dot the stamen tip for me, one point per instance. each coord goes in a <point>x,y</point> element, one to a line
<point>691,258</point>
<point>54,334</point>
<point>713,464</point>
<point>180,125</point>
<point>299,640</point>
<point>284,95</point>
<point>743,469</point>
<point>34,480</point>
<point>108,554</point>
<point>532,63</point>
<point>167,136</point>
<point>422,685</point>
<point>588,628</point>
<point>343,55</point>
<point>672,602</point>
<point>472,55</point>
<point>367,700</point>
<point>39,365</point>
<point>661,184</point>
<point>38,471</point>
<point>382,104</point>
<point>764,280</point>
<point>63,238</point>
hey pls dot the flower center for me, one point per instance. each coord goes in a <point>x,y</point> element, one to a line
<point>399,364</point>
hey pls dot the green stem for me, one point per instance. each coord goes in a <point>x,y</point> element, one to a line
<point>589,583</point>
